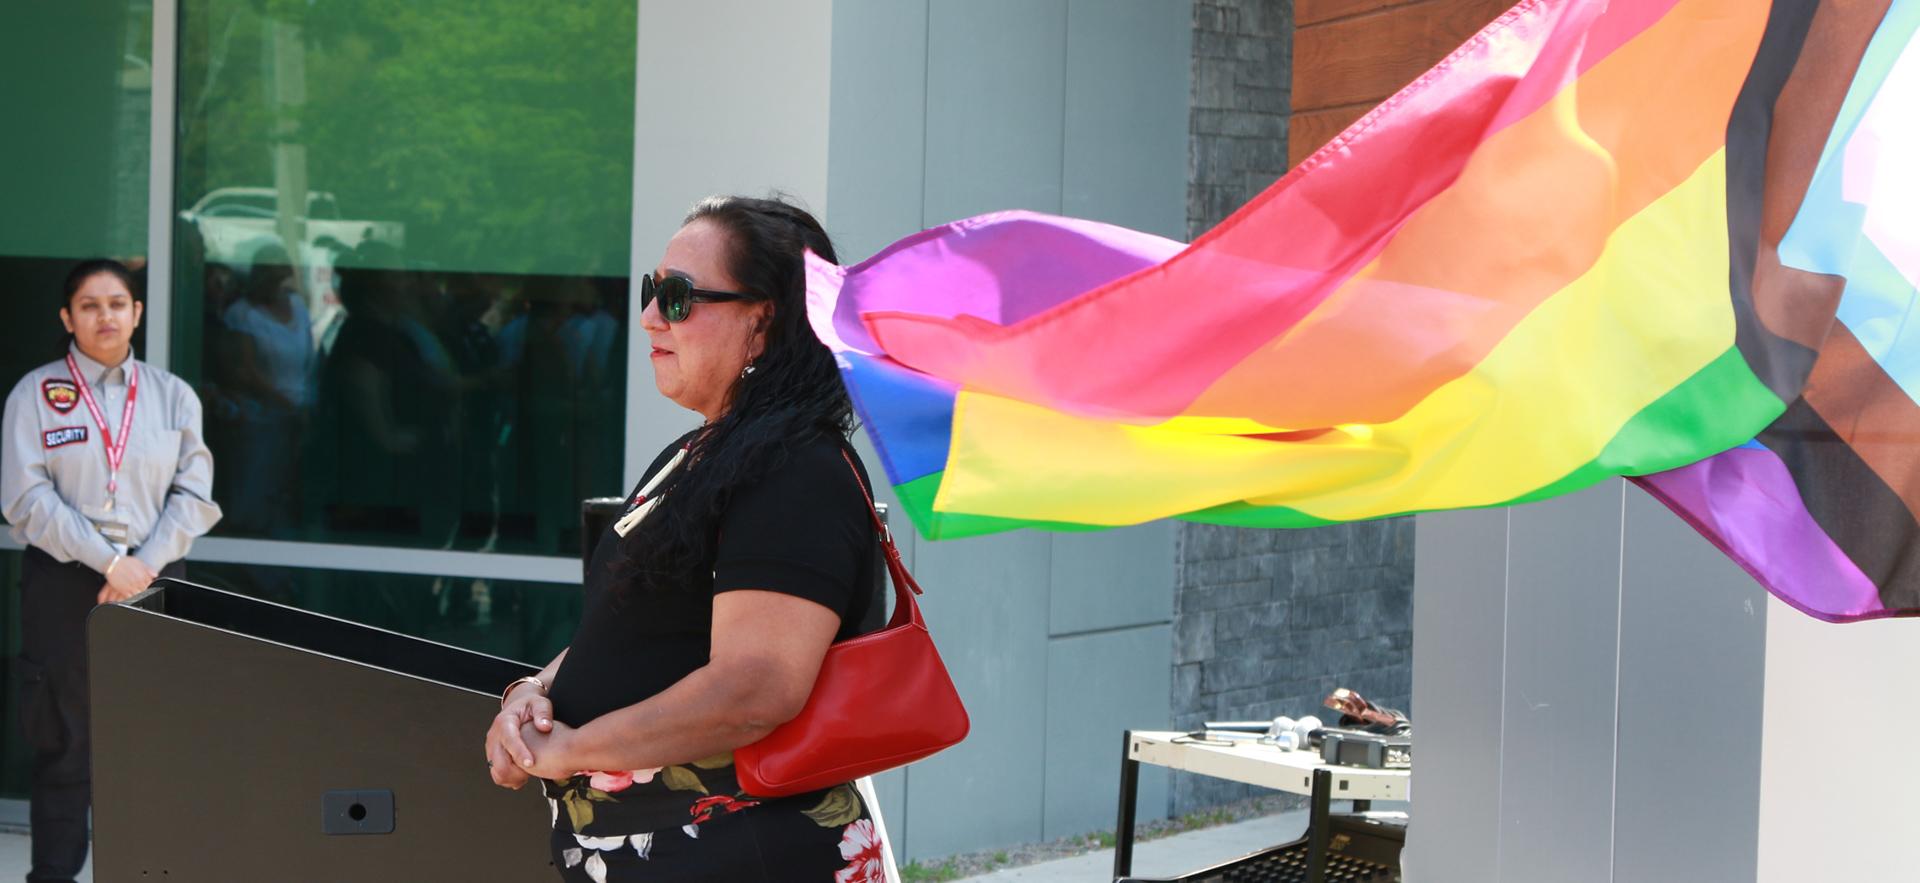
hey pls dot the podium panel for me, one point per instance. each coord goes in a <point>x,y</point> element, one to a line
<point>238,739</point>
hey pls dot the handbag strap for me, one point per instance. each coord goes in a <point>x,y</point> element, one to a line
<point>905,608</point>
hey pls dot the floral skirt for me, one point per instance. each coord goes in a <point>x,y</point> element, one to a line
<point>827,836</point>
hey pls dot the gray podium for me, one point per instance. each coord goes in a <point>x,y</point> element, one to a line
<point>237,739</point>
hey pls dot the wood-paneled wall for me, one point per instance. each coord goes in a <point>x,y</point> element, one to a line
<point>1349,55</point>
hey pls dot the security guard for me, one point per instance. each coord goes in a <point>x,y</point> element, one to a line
<point>106,479</point>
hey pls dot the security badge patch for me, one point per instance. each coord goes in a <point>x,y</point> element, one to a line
<point>65,435</point>
<point>61,395</point>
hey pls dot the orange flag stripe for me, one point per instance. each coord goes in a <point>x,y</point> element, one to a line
<point>1402,327</point>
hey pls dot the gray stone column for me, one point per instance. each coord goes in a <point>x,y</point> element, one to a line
<point>1268,622</point>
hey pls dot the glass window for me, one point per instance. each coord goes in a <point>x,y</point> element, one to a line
<point>75,109</point>
<point>530,622</point>
<point>402,257</point>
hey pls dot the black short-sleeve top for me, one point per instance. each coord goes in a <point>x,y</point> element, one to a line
<point>804,530</point>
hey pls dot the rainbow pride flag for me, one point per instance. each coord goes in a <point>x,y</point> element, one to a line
<point>1821,506</point>
<point>1555,258</point>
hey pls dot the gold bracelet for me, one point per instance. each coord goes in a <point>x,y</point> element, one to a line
<point>529,679</point>
<point>115,563</point>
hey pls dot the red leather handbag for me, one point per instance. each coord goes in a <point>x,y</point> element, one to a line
<point>882,700</point>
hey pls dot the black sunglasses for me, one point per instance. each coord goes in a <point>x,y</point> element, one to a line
<point>677,296</point>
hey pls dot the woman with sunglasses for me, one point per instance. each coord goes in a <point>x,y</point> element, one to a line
<point>746,550</point>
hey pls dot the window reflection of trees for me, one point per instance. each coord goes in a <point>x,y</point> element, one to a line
<point>441,191</point>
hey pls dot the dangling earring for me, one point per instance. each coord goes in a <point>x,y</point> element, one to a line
<point>746,371</point>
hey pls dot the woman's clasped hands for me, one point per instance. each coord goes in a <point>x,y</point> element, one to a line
<point>524,742</point>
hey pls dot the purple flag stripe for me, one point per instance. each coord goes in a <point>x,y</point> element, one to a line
<point>1744,501</point>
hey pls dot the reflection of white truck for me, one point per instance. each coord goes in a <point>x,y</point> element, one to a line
<point>234,221</point>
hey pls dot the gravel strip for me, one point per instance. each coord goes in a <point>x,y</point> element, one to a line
<point>970,864</point>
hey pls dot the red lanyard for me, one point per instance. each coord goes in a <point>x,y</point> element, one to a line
<point>116,442</point>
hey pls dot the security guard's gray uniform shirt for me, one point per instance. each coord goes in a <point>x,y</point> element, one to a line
<point>53,466</point>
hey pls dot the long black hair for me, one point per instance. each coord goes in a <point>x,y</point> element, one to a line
<point>792,398</point>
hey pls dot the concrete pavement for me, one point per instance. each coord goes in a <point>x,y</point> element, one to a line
<point>1158,858</point>
<point>1166,857</point>
<point>16,857</point>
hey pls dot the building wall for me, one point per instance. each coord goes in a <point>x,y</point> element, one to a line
<point>891,117</point>
<point>1242,93</point>
<point>882,116</point>
<point>702,150</point>
<point>1810,796</point>
<point>1561,740</point>
<point>1351,54</point>
<point>1268,622</point>
<point>73,171</point>
<point>1058,642</point>
<point>1607,697</point>
<point>1604,696</point>
<point>1592,677</point>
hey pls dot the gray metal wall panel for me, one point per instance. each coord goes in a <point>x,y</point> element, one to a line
<point>1692,683</point>
<point>986,604</point>
<point>995,87</point>
<point>947,108</point>
<point>1832,808</point>
<point>876,155</point>
<point>1563,599</point>
<point>1459,612</point>
<point>891,786</point>
<point>901,526</point>
<point>1619,628</point>
<point>725,153</point>
<point>1099,686</point>
<point>891,789</point>
<point>1128,68</point>
<point>1112,579</point>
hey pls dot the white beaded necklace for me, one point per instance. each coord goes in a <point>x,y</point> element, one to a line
<point>644,502</point>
